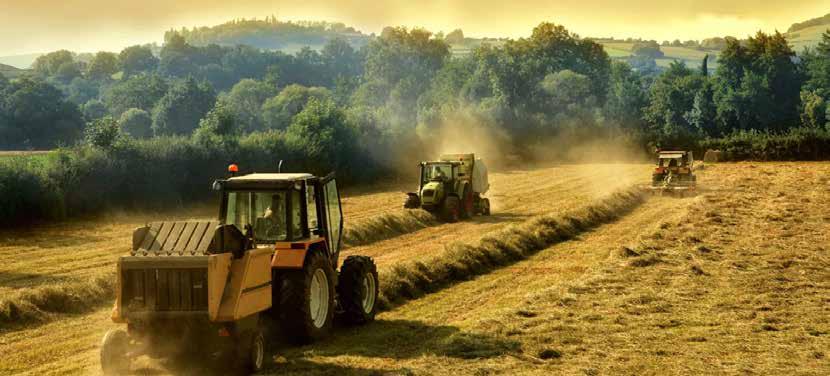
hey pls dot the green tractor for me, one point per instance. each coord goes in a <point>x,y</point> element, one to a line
<point>452,187</point>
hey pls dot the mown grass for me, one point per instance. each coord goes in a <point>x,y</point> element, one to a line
<point>41,303</point>
<point>409,280</point>
<point>386,226</point>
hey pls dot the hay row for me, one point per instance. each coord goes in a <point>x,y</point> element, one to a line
<point>41,303</point>
<point>460,262</point>
<point>387,226</point>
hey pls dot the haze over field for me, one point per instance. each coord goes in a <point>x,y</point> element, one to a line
<point>92,25</point>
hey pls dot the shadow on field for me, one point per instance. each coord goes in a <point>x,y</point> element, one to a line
<point>37,238</point>
<point>390,339</point>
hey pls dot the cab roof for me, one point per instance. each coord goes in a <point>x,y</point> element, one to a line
<point>272,177</point>
<point>266,180</point>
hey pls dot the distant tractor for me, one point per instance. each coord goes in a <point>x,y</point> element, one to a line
<point>203,288</point>
<point>452,187</point>
<point>674,172</point>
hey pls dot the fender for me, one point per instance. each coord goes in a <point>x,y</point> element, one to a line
<point>291,255</point>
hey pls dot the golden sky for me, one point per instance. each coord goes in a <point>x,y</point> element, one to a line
<point>28,26</point>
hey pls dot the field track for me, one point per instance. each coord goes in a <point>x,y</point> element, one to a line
<point>690,286</point>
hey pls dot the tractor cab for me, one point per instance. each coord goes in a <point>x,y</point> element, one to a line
<point>286,211</point>
<point>674,171</point>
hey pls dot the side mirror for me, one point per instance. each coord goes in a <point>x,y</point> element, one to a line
<point>217,185</point>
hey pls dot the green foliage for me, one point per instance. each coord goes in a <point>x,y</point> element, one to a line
<point>179,111</point>
<point>648,49</point>
<point>37,116</point>
<point>455,37</point>
<point>137,59</point>
<point>93,110</point>
<point>140,91</point>
<point>49,64</point>
<point>218,128</point>
<point>137,123</point>
<point>321,132</point>
<point>813,110</point>
<point>102,133</point>
<point>672,97</point>
<point>245,100</point>
<point>102,66</point>
<point>794,144</point>
<point>278,111</point>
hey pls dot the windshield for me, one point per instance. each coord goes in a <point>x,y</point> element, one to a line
<point>264,211</point>
<point>671,162</point>
<point>437,171</point>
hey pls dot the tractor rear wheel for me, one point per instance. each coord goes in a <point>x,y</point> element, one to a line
<point>114,359</point>
<point>451,209</point>
<point>357,289</point>
<point>307,300</point>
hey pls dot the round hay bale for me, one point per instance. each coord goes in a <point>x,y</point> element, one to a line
<point>712,156</point>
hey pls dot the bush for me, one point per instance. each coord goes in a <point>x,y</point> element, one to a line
<point>795,144</point>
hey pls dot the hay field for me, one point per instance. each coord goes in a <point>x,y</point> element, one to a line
<point>733,280</point>
<point>79,255</point>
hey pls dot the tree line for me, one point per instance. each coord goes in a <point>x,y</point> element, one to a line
<point>366,111</point>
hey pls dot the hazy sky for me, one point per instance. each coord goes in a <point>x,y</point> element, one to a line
<point>28,26</point>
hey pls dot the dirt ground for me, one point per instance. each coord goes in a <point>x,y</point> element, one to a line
<point>735,280</point>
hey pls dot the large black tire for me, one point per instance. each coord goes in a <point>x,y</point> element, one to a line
<point>301,320</point>
<point>114,359</point>
<point>466,207</point>
<point>450,210</point>
<point>412,202</point>
<point>357,290</point>
<point>250,354</point>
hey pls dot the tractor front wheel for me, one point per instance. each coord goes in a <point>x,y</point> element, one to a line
<point>114,359</point>
<point>451,209</point>
<point>357,289</point>
<point>485,206</point>
<point>307,300</point>
<point>251,352</point>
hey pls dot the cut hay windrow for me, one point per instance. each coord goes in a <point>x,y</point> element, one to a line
<point>461,262</point>
<point>387,226</point>
<point>40,303</point>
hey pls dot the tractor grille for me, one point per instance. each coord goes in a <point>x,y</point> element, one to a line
<point>428,192</point>
<point>164,289</point>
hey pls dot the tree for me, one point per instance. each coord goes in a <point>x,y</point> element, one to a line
<point>179,111</point>
<point>704,65</point>
<point>568,89</point>
<point>218,128</point>
<point>320,132</point>
<point>102,133</point>
<point>37,115</point>
<point>703,114</point>
<point>340,60</point>
<point>672,96</point>
<point>455,37</point>
<point>813,110</point>
<point>137,59</point>
<point>626,97</point>
<point>140,91</point>
<point>93,109</point>
<point>137,123</point>
<point>68,71</point>
<point>648,49</point>
<point>81,90</point>
<point>48,64</point>
<point>245,101</point>
<point>278,111</point>
<point>102,66</point>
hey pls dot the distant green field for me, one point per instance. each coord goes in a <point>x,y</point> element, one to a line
<point>808,37</point>
<point>692,57</point>
<point>39,155</point>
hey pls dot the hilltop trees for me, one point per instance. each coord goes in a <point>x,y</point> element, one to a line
<point>137,59</point>
<point>141,91</point>
<point>102,66</point>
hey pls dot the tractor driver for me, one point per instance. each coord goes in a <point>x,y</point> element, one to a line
<point>439,174</point>
<point>274,217</point>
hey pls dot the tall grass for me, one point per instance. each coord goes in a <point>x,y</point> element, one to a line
<point>461,262</point>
